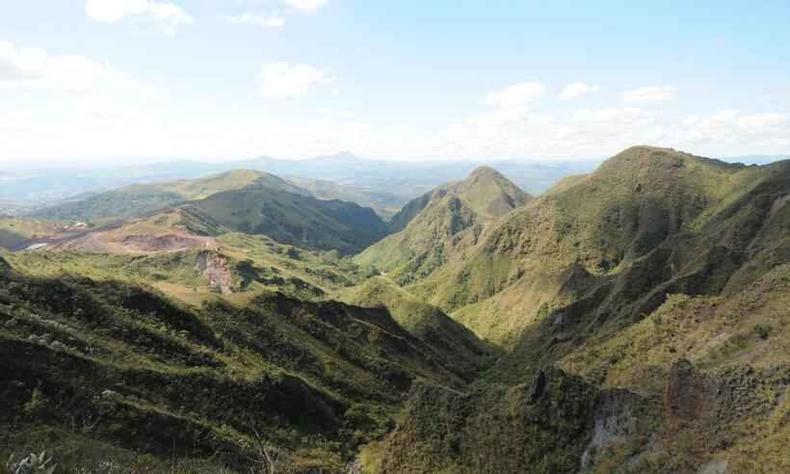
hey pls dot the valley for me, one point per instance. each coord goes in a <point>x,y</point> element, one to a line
<point>635,318</point>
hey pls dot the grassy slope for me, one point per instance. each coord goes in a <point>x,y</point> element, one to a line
<point>451,340</point>
<point>95,369</point>
<point>255,263</point>
<point>600,255</point>
<point>139,199</point>
<point>602,222</point>
<point>448,219</point>
<point>293,218</point>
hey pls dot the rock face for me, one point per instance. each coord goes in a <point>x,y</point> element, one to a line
<point>686,398</point>
<point>214,267</point>
<point>616,421</point>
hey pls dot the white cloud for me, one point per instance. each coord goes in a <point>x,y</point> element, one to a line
<point>516,96</point>
<point>276,18</point>
<point>305,6</point>
<point>285,80</point>
<point>166,16</point>
<point>272,20</point>
<point>576,89</point>
<point>731,129</point>
<point>57,104</point>
<point>35,69</point>
<point>102,114</point>
<point>650,94</point>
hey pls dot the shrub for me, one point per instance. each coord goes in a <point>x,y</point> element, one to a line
<point>762,331</point>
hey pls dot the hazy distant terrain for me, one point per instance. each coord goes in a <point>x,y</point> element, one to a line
<point>381,184</point>
<point>384,185</point>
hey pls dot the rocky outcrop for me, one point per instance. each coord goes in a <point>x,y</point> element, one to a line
<point>617,421</point>
<point>687,397</point>
<point>214,267</point>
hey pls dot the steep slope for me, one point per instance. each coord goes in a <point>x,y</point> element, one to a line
<point>245,201</point>
<point>293,218</point>
<point>486,191</point>
<point>448,219</point>
<point>603,224</point>
<point>138,199</point>
<point>451,341</point>
<point>645,306</point>
<point>98,372</point>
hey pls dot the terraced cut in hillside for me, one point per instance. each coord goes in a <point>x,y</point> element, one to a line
<point>635,319</point>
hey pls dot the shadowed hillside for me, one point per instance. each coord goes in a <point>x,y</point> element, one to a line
<point>178,215</point>
<point>294,218</point>
<point>114,371</point>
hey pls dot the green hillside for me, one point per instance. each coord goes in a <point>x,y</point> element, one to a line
<point>451,340</point>
<point>634,319</point>
<point>16,231</point>
<point>139,199</point>
<point>579,233</point>
<point>244,201</point>
<point>293,218</point>
<point>96,370</point>
<point>443,222</point>
<point>486,191</point>
<point>644,307</point>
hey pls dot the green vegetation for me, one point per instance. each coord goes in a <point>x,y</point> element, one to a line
<point>646,207</point>
<point>659,285</point>
<point>244,201</point>
<point>293,218</point>
<point>106,371</point>
<point>252,263</point>
<point>635,320</point>
<point>450,341</point>
<point>441,223</point>
<point>138,199</point>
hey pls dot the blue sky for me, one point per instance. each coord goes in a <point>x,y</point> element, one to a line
<point>100,80</point>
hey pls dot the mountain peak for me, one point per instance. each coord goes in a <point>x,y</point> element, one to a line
<point>645,155</point>
<point>240,172</point>
<point>484,172</point>
<point>489,192</point>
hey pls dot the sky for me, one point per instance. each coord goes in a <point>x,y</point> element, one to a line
<point>140,80</point>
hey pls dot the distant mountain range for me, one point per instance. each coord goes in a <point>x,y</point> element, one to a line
<point>247,201</point>
<point>384,185</point>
